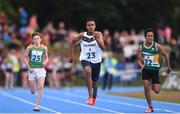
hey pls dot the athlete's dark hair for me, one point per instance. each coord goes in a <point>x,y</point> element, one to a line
<point>90,19</point>
<point>148,30</point>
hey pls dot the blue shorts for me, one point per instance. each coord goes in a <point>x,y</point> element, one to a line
<point>95,69</point>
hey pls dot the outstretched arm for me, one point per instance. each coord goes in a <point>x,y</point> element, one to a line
<point>73,43</point>
<point>100,40</point>
<point>164,53</point>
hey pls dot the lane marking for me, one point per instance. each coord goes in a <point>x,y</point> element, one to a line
<point>28,102</point>
<point>77,103</point>
<point>116,102</point>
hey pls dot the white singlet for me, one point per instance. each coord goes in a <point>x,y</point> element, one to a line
<point>90,50</point>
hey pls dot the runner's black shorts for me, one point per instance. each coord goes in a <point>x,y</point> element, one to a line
<point>151,75</point>
<point>95,69</point>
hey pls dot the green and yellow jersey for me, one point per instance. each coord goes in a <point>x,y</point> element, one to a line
<point>150,56</point>
<point>36,56</point>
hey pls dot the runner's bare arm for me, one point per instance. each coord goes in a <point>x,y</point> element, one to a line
<point>73,43</point>
<point>26,57</point>
<point>164,53</point>
<point>100,40</point>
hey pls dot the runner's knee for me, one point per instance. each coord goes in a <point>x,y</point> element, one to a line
<point>156,90</point>
<point>39,88</point>
<point>88,71</point>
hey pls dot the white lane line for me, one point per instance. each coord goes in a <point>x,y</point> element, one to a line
<point>28,102</point>
<point>77,103</point>
<point>117,102</point>
<point>161,102</point>
<point>103,94</point>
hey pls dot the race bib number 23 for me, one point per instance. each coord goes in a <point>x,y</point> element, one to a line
<point>91,55</point>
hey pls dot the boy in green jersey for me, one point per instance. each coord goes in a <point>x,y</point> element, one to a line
<point>36,57</point>
<point>148,60</point>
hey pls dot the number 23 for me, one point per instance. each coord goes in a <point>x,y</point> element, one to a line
<point>91,55</point>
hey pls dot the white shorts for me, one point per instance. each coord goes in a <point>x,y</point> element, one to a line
<point>38,72</point>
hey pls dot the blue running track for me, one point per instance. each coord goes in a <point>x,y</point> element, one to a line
<point>73,100</point>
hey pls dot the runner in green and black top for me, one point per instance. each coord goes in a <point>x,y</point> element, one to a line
<point>148,60</point>
<point>150,56</point>
<point>36,57</point>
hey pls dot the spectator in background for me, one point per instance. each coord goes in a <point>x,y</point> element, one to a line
<point>68,75</point>
<point>61,32</point>
<point>16,65</point>
<point>3,22</point>
<point>23,20</point>
<point>173,53</point>
<point>160,36</point>
<point>51,72</point>
<point>9,78</point>
<point>50,31</point>
<point>107,39</point>
<point>23,17</point>
<point>167,34</point>
<point>1,65</point>
<point>109,67</point>
<point>2,19</point>
<point>78,71</point>
<point>59,69</point>
<point>6,34</point>
<point>71,34</point>
<point>140,37</point>
<point>133,37</point>
<point>115,42</point>
<point>133,42</point>
<point>123,39</point>
<point>49,28</point>
<point>46,38</point>
<point>127,52</point>
<point>33,24</point>
<point>24,74</point>
<point>27,40</point>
